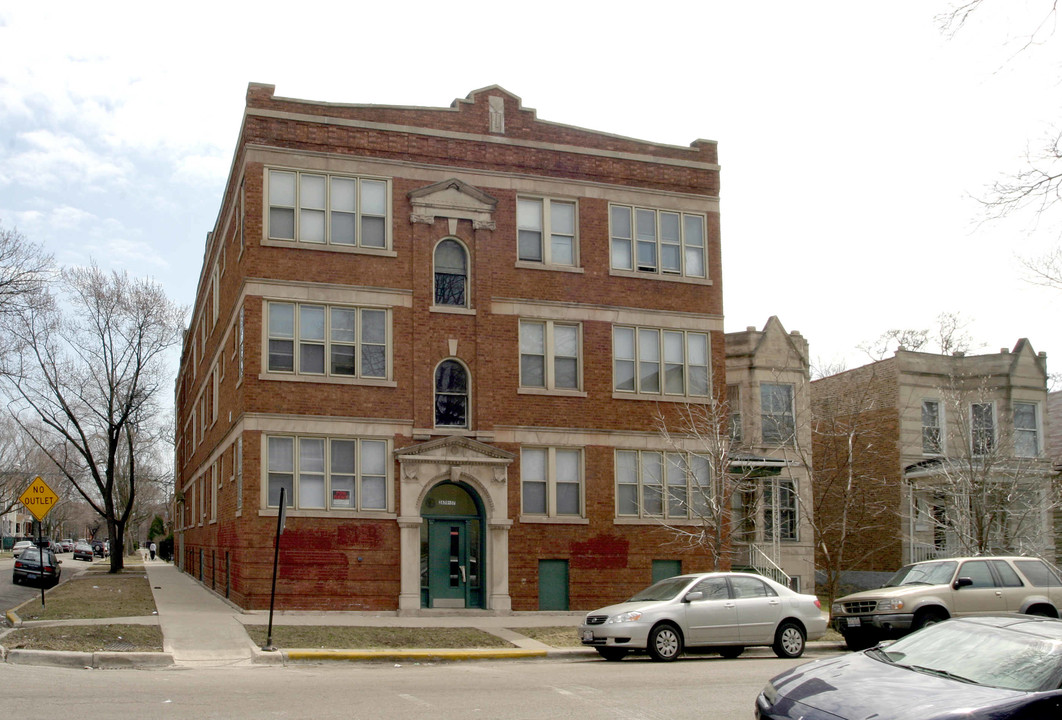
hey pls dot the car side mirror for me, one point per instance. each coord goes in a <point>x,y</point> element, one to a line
<point>695,595</point>
<point>962,582</point>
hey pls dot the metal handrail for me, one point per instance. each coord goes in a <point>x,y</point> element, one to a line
<point>764,565</point>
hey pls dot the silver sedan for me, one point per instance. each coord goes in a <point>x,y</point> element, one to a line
<point>723,612</point>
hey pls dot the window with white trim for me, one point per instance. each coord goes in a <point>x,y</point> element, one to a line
<point>983,428</point>
<point>214,481</point>
<point>657,241</point>
<point>451,395</point>
<point>660,362</point>
<point>546,231</point>
<point>451,273</point>
<point>328,473</point>
<point>659,484</point>
<point>785,510</point>
<point>777,422</point>
<point>733,401</point>
<point>1026,430</point>
<point>332,340</point>
<point>551,481</point>
<point>323,209</point>
<point>932,428</point>
<point>549,355</point>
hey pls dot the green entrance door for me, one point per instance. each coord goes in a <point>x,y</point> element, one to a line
<point>552,584</point>
<point>451,549</point>
<point>448,563</point>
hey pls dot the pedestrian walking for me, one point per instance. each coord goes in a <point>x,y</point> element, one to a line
<point>151,549</point>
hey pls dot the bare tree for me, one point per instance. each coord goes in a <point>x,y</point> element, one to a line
<point>994,494</point>
<point>24,270</point>
<point>855,506</point>
<point>86,381</point>
<point>948,337</point>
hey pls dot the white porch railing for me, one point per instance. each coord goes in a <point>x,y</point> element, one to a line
<point>764,565</point>
<point>924,551</point>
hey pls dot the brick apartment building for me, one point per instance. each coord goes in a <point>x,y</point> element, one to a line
<point>945,453</point>
<point>768,393</point>
<point>447,335</point>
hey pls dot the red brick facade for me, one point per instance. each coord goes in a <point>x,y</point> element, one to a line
<point>449,173</point>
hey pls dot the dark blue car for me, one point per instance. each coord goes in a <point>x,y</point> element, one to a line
<point>975,668</point>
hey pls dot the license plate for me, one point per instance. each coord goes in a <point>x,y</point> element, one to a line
<point>588,635</point>
<point>854,622</point>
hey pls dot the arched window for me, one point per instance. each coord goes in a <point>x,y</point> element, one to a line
<point>451,395</point>
<point>451,274</point>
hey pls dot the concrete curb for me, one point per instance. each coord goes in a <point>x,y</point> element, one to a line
<point>96,660</point>
<point>428,654</point>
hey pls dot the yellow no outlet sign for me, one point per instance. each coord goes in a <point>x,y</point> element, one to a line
<point>38,498</point>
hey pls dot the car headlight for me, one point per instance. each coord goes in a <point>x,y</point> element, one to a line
<point>837,609</point>
<point>891,604</point>
<point>770,694</point>
<point>625,617</point>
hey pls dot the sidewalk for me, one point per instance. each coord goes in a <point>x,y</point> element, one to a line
<point>199,628</point>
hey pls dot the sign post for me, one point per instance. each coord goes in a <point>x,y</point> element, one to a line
<point>39,499</point>
<point>276,557</point>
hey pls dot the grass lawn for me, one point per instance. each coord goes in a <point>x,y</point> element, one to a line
<point>558,637</point>
<point>86,638</point>
<point>373,638</point>
<point>96,594</point>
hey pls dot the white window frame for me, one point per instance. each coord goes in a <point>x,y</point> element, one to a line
<point>939,427</point>
<point>1034,431</point>
<point>769,418</point>
<point>687,246</point>
<point>214,481</point>
<point>549,355</point>
<point>550,481</point>
<point>975,447</point>
<point>358,344</point>
<point>674,466</point>
<point>733,400</point>
<point>643,357</point>
<point>295,502</point>
<point>788,516</point>
<point>546,231</point>
<point>329,210</point>
<point>237,468</point>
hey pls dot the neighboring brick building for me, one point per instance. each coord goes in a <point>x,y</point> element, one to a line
<point>924,447</point>
<point>447,334</point>
<point>768,376</point>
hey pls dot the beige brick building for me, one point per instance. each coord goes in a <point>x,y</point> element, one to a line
<point>946,454</point>
<point>768,392</point>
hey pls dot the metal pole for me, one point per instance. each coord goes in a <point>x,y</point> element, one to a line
<point>276,559</point>
<point>40,556</point>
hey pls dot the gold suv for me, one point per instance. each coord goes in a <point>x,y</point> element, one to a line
<point>927,592</point>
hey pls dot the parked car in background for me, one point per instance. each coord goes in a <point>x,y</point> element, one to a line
<point>720,612</point>
<point>928,592</point>
<point>29,566</point>
<point>83,551</point>
<point>100,548</point>
<point>18,547</point>
<point>973,668</point>
<point>67,545</point>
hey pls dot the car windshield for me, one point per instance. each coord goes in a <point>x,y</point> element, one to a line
<point>30,554</point>
<point>980,654</point>
<point>664,590</point>
<point>934,573</point>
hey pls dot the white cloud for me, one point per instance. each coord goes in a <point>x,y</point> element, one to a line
<point>45,159</point>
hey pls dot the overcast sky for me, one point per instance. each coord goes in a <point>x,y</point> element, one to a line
<point>852,135</point>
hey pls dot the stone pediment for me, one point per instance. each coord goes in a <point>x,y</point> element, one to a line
<point>455,200</point>
<point>454,451</point>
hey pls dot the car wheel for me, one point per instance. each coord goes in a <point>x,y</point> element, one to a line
<point>612,654</point>
<point>927,618</point>
<point>731,652</point>
<point>16,579</point>
<point>665,643</point>
<point>788,640</point>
